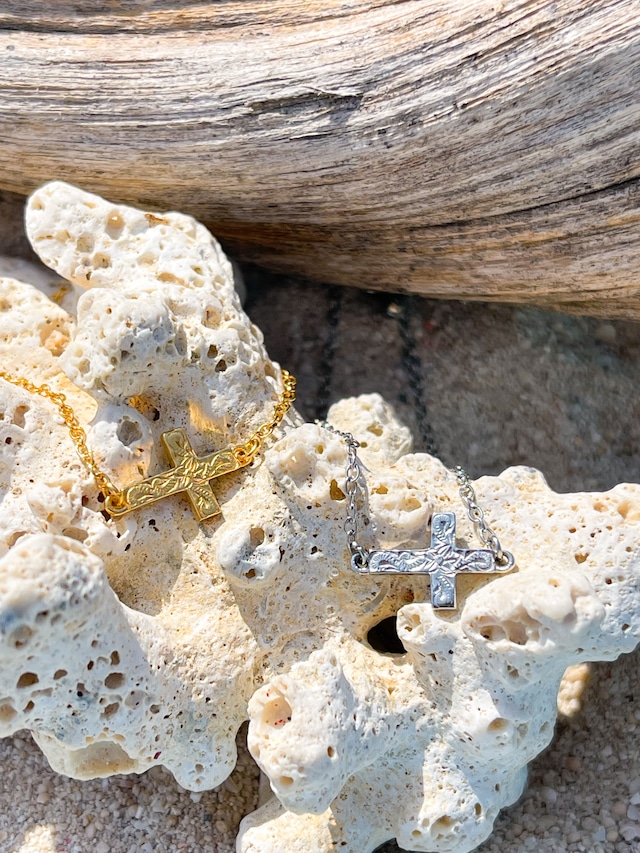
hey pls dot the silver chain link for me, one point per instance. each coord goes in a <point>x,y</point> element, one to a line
<point>476,514</point>
<point>353,484</point>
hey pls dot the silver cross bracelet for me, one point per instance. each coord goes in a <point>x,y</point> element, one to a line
<point>443,560</point>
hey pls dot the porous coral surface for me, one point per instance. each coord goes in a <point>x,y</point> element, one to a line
<point>149,639</point>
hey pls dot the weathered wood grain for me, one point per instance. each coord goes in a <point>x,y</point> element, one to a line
<point>484,149</point>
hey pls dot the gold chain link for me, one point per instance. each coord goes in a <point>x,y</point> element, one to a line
<point>244,453</point>
<point>247,451</point>
<point>77,433</point>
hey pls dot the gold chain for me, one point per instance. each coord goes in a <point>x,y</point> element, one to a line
<point>78,435</point>
<point>243,453</point>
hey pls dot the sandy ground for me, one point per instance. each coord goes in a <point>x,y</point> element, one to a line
<point>501,386</point>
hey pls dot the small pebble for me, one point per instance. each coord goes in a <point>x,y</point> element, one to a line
<point>619,809</point>
<point>548,795</point>
<point>630,831</point>
<point>606,332</point>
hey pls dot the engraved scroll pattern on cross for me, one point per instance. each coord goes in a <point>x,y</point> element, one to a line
<point>190,474</point>
<point>443,561</point>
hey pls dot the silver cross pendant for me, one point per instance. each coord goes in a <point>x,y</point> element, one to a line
<point>442,561</point>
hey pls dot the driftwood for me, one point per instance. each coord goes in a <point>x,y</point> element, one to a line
<point>483,149</point>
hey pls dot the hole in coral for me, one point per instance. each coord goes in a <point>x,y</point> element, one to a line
<point>493,633</point>
<point>128,432</point>
<point>498,725</point>
<point>221,366</point>
<point>114,680</point>
<point>277,712</point>
<point>477,809</point>
<point>28,707</point>
<point>114,225</point>
<point>20,636</point>
<point>212,352</point>
<point>59,673</point>
<point>18,415</point>
<point>580,558</point>
<point>115,658</point>
<point>179,342</point>
<point>376,429</point>
<point>134,699</point>
<point>7,712</point>
<point>383,637</point>
<point>335,492</point>
<point>85,243</point>
<point>250,574</point>
<point>146,408</point>
<point>517,632</point>
<point>27,679</point>
<point>101,261</point>
<point>285,781</point>
<point>442,824</point>
<point>256,537</point>
<point>211,317</point>
<point>75,533</point>
<point>330,751</point>
<point>381,490</point>
<point>110,709</point>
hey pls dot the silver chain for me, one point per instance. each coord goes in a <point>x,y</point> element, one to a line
<point>476,514</point>
<point>353,484</point>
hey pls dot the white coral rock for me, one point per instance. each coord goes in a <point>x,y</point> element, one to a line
<point>149,639</point>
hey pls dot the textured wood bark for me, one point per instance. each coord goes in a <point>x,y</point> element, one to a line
<point>484,149</point>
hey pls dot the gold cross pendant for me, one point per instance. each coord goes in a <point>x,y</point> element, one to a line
<point>190,474</point>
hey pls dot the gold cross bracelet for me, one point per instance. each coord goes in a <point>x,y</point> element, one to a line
<point>190,473</point>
